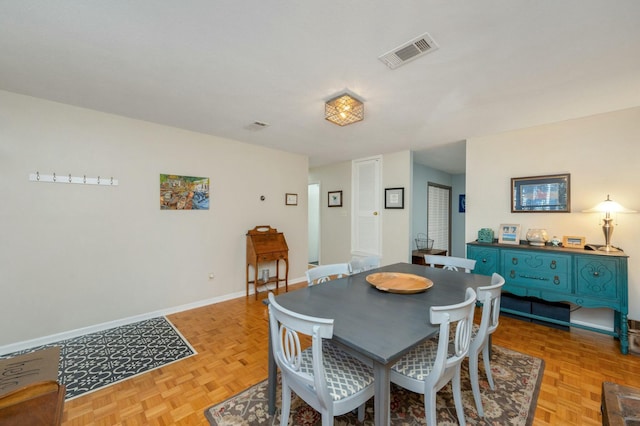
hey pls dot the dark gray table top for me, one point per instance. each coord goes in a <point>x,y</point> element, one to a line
<point>381,325</point>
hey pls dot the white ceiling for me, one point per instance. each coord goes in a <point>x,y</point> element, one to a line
<point>217,66</point>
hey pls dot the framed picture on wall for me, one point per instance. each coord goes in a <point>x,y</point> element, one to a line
<point>394,198</point>
<point>291,199</point>
<point>541,194</point>
<point>335,198</point>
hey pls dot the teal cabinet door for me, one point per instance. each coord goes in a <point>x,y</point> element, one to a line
<point>597,277</point>
<point>486,259</point>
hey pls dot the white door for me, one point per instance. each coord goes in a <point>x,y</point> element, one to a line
<point>365,218</point>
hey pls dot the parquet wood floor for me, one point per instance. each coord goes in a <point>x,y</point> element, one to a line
<point>231,339</point>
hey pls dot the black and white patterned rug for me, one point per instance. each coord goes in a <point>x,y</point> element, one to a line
<point>92,361</point>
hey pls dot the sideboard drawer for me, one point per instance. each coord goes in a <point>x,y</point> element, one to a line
<point>597,277</point>
<point>537,270</point>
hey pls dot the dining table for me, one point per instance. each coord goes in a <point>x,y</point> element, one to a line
<point>379,326</point>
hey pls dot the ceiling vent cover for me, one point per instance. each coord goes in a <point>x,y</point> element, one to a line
<point>256,125</point>
<point>409,51</point>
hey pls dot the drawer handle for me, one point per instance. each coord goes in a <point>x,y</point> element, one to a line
<point>514,260</point>
<point>533,277</point>
<point>596,274</point>
<point>556,280</point>
<point>553,264</point>
<point>484,260</point>
<point>512,274</point>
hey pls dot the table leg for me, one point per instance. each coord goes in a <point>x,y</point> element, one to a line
<point>273,377</point>
<point>382,396</point>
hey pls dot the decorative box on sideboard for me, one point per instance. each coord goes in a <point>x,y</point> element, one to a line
<point>586,278</point>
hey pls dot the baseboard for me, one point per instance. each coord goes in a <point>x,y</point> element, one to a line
<point>45,340</point>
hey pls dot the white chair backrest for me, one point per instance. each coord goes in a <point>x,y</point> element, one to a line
<point>450,263</point>
<point>323,273</point>
<point>490,297</point>
<point>361,264</point>
<point>457,320</point>
<point>285,326</point>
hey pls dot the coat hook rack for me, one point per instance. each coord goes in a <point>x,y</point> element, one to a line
<point>54,178</point>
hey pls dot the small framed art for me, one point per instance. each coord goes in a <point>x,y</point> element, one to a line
<point>394,198</point>
<point>571,241</point>
<point>335,198</point>
<point>291,199</point>
<point>509,234</point>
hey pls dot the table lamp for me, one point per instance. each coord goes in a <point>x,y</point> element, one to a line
<point>607,207</point>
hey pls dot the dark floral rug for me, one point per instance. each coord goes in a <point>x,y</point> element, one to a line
<point>517,378</point>
<point>92,361</point>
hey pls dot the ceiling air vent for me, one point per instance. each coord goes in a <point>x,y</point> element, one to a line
<point>256,125</point>
<point>409,51</point>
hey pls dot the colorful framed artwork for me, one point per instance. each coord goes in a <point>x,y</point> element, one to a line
<point>184,192</point>
<point>541,194</point>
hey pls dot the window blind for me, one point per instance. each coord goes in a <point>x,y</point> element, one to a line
<point>438,214</point>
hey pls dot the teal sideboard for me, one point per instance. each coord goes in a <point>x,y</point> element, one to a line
<point>585,278</point>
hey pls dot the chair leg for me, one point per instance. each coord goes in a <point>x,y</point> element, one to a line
<point>486,358</point>
<point>457,396</point>
<point>361,413</point>
<point>430,407</point>
<point>286,404</point>
<point>475,382</point>
<point>327,420</point>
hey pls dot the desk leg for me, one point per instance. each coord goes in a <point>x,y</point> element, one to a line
<point>286,275</point>
<point>382,396</point>
<point>273,377</point>
<point>255,280</point>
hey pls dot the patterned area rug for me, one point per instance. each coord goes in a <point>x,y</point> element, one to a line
<point>517,378</point>
<point>92,361</point>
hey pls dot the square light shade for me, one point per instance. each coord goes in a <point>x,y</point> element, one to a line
<point>344,109</point>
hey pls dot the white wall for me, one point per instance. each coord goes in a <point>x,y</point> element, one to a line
<point>601,152</point>
<point>72,256</point>
<point>335,222</point>
<point>335,242</point>
<point>396,223</point>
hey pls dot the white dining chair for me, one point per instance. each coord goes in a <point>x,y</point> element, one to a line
<point>490,297</point>
<point>450,263</point>
<point>323,273</point>
<point>328,379</point>
<point>361,264</point>
<point>428,367</point>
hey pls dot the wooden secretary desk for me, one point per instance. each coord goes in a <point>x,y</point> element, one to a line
<point>266,244</point>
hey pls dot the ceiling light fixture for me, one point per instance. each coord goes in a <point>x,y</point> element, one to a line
<point>344,109</point>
